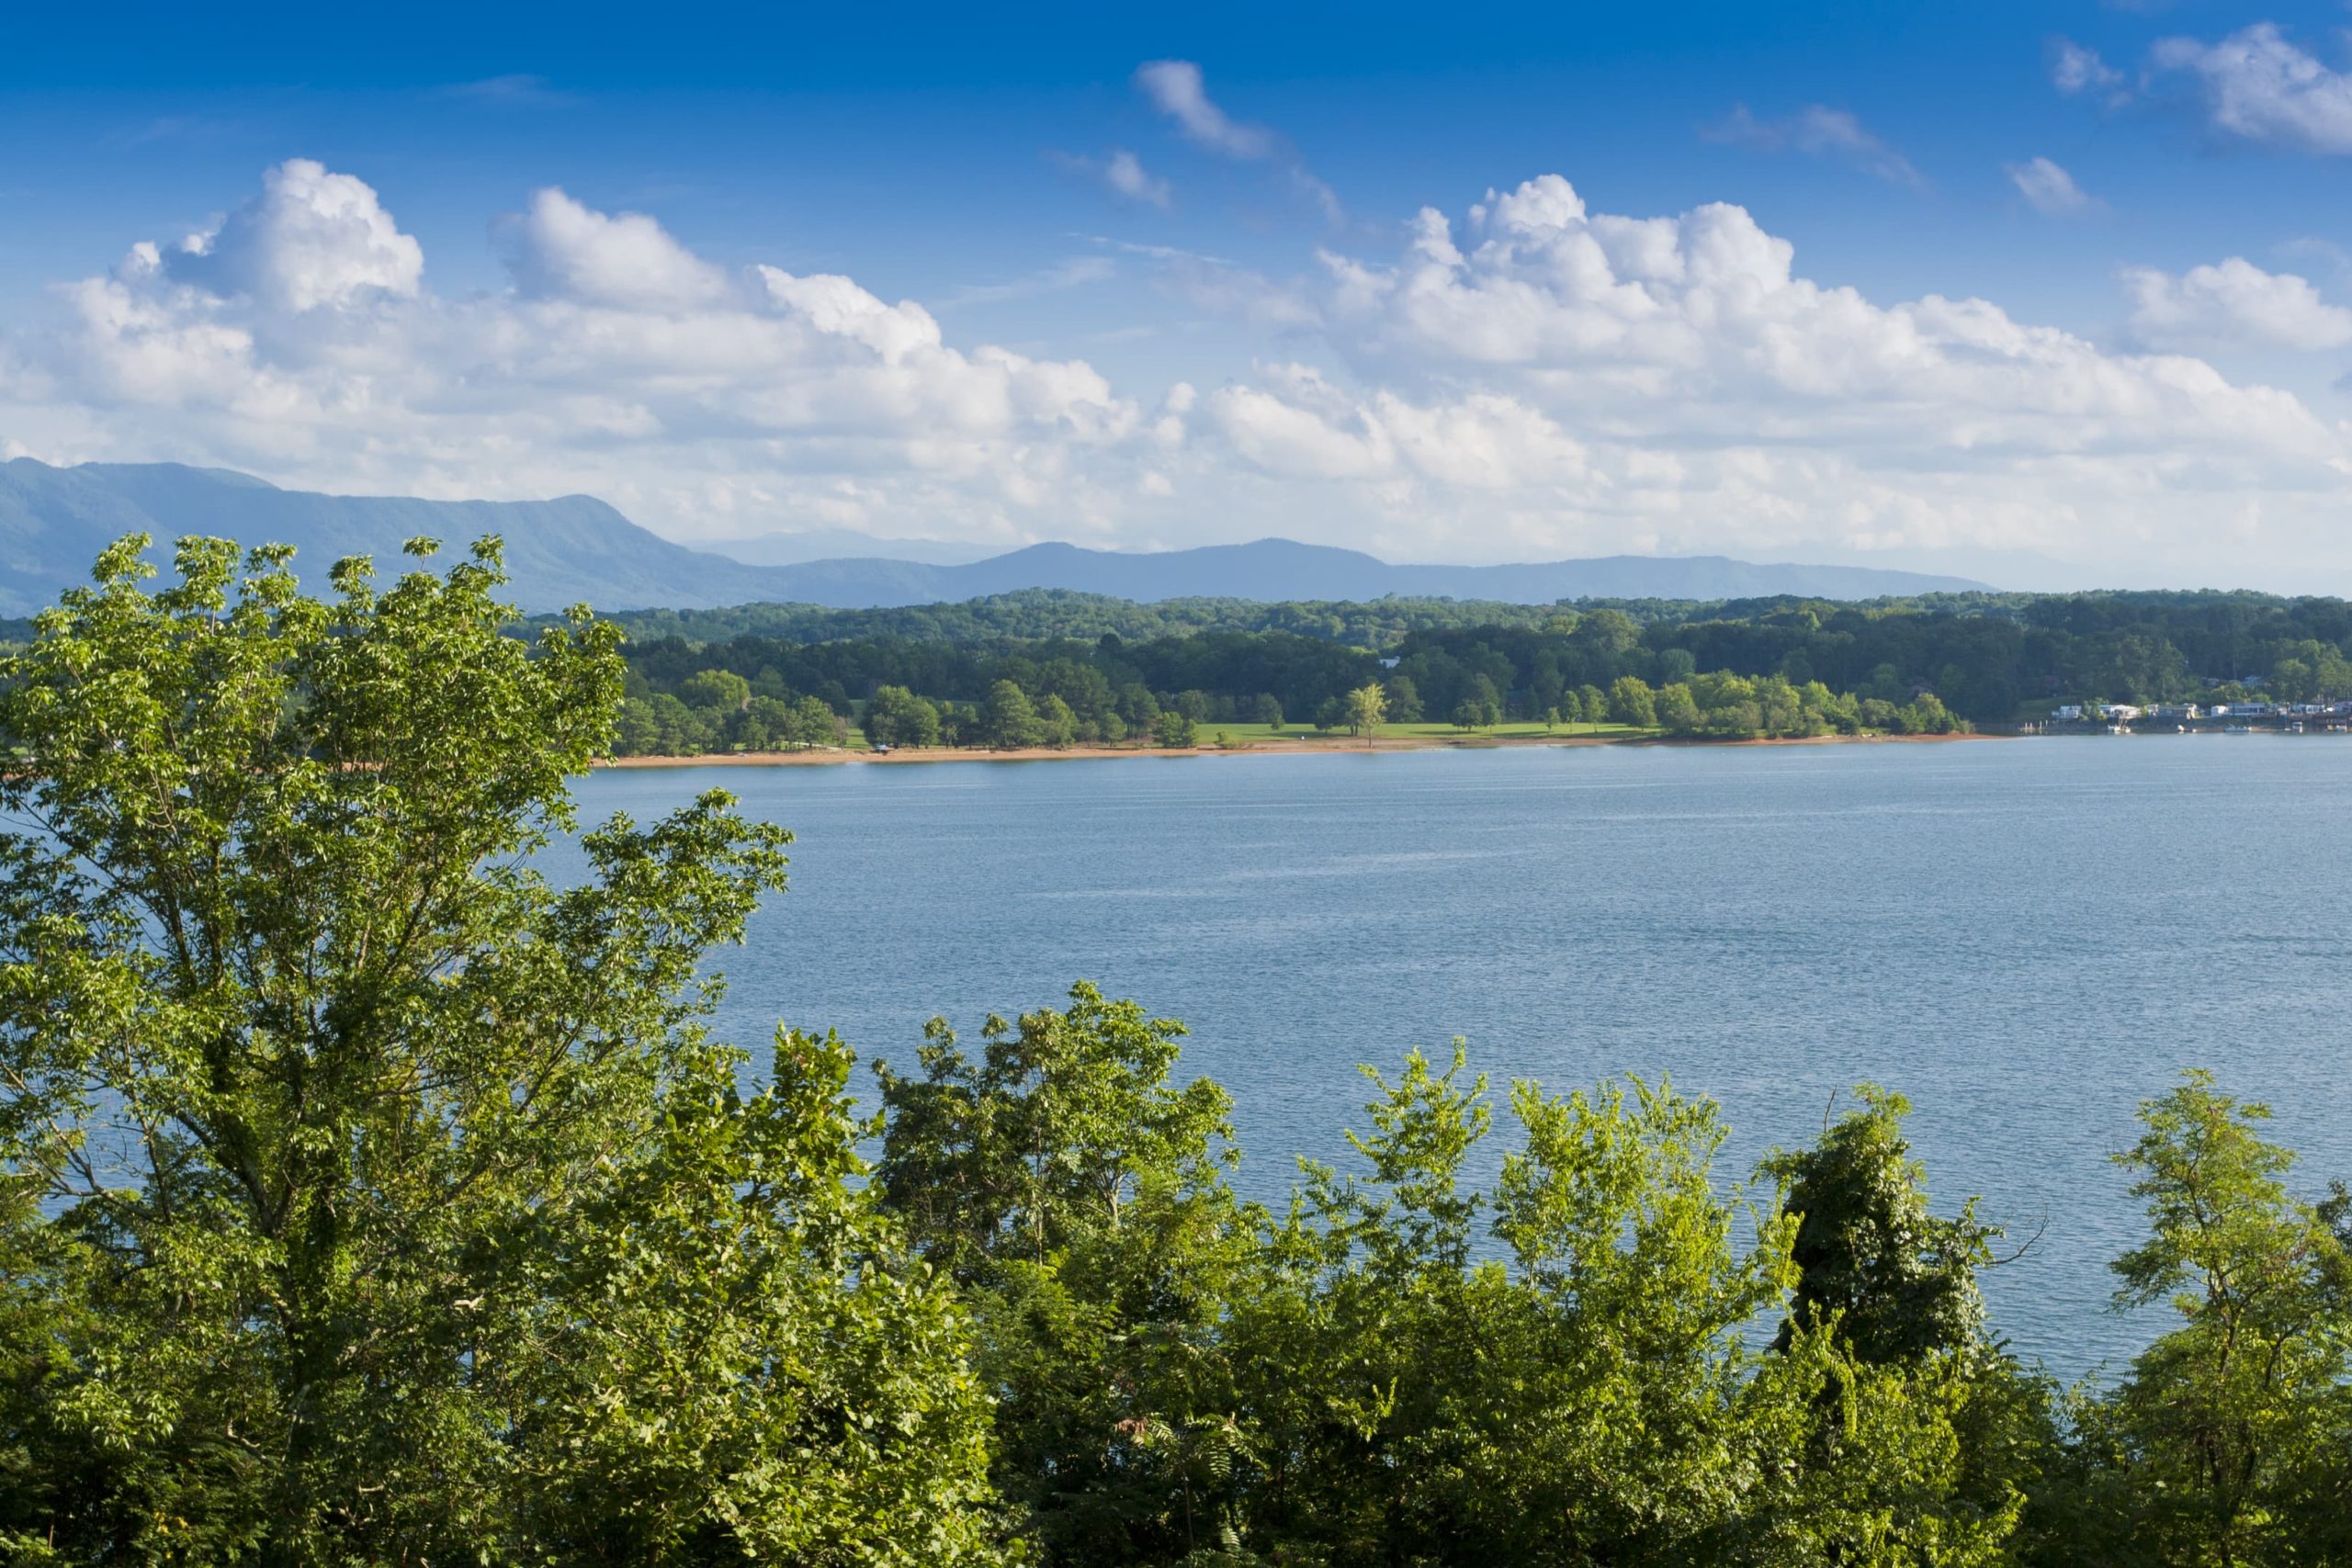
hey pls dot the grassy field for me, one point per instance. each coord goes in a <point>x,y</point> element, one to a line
<point>1206,734</point>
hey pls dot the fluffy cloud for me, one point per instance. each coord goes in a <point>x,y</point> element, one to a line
<point>1301,425</point>
<point>296,339</point>
<point>1626,378</point>
<point>2049,188</point>
<point>2258,86</point>
<point>311,239</point>
<point>1820,132</point>
<point>2235,305</point>
<point>1533,378</point>
<point>564,251</point>
<point>1705,310</point>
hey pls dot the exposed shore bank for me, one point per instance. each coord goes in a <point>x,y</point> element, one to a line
<point>1338,745</point>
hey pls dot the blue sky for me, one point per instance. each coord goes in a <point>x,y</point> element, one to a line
<point>2057,292</point>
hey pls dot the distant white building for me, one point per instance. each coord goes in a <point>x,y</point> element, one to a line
<point>2069,712</point>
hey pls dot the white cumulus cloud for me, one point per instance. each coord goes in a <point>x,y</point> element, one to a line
<point>309,239</point>
<point>2233,306</point>
<point>1527,379</point>
<point>1614,379</point>
<point>563,250</point>
<point>296,339</point>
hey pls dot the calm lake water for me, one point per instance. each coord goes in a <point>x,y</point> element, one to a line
<point>2027,938</point>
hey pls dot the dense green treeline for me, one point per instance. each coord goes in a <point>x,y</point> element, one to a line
<point>754,693</point>
<point>1038,615</point>
<point>1565,1368</point>
<point>1809,667</point>
<point>368,1195</point>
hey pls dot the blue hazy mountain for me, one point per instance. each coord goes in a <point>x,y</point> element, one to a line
<point>578,550</point>
<point>796,546</point>
<point>1284,568</point>
<point>574,548</point>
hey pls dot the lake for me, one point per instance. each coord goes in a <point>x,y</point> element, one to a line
<point>2027,938</point>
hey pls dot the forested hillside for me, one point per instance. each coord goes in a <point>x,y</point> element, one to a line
<point>1759,667</point>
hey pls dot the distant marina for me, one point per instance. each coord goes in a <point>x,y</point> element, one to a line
<point>2190,718</point>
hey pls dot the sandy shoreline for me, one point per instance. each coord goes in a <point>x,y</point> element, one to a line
<point>1350,744</point>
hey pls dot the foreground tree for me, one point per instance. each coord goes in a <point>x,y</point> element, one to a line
<point>365,1195</point>
<point>1893,1285</point>
<point>1079,1197</point>
<point>1898,1282</point>
<point>2230,1442</point>
<point>1403,1369</point>
<point>1589,1395</point>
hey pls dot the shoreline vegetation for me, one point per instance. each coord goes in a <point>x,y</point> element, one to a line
<point>1300,745</point>
<point>1079,675</point>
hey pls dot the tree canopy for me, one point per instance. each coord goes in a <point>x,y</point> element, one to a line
<point>368,1195</point>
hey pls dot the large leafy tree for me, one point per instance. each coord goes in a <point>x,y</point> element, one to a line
<point>1897,1281</point>
<point>1008,719</point>
<point>1077,1195</point>
<point>2231,1441</point>
<point>365,1195</point>
<point>1893,1285</point>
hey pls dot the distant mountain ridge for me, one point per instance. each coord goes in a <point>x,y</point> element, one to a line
<point>578,550</point>
<point>1284,568</point>
<point>796,546</point>
<point>55,521</point>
